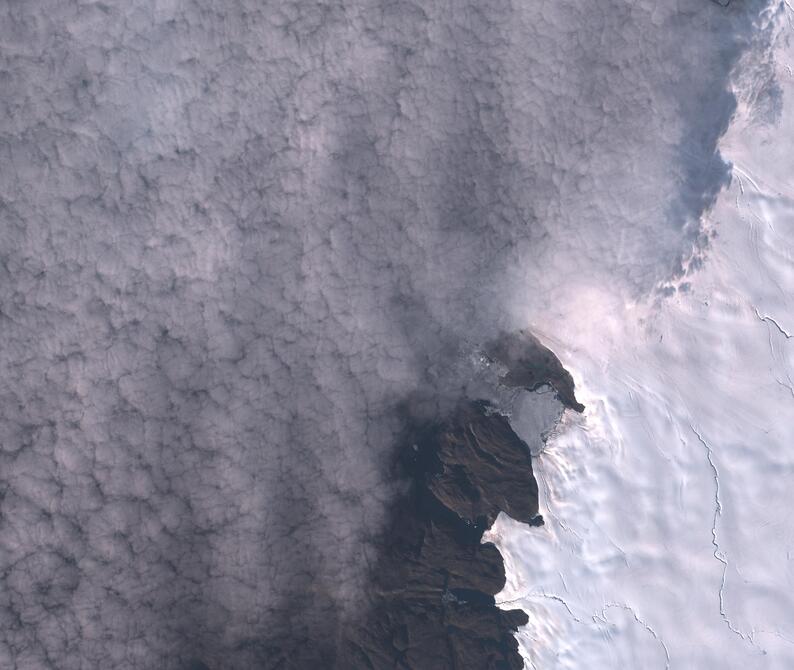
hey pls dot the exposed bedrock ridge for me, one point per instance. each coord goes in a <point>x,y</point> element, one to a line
<point>432,601</point>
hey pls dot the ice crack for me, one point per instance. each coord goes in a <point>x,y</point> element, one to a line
<point>718,553</point>
<point>769,319</point>
<point>598,619</point>
<point>639,620</point>
<point>546,596</point>
<point>786,386</point>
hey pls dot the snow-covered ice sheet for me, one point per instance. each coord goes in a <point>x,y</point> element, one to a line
<point>669,536</point>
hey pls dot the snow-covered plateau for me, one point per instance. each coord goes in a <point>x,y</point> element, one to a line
<point>669,533</point>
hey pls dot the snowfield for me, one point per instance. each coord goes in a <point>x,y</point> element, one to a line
<point>669,533</point>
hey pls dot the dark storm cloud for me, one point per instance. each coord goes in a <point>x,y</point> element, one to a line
<point>237,235</point>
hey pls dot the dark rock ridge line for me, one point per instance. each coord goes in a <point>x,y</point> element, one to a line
<point>530,365</point>
<point>432,601</point>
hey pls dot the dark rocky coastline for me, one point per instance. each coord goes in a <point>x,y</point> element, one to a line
<point>432,601</point>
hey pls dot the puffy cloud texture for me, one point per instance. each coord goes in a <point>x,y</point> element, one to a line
<point>237,235</point>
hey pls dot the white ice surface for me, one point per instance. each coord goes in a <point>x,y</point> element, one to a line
<point>669,504</point>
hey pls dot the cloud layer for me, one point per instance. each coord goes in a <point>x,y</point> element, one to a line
<point>235,238</point>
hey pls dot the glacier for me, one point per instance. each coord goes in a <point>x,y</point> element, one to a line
<point>669,536</point>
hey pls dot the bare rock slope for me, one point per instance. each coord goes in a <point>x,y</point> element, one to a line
<point>432,602</point>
